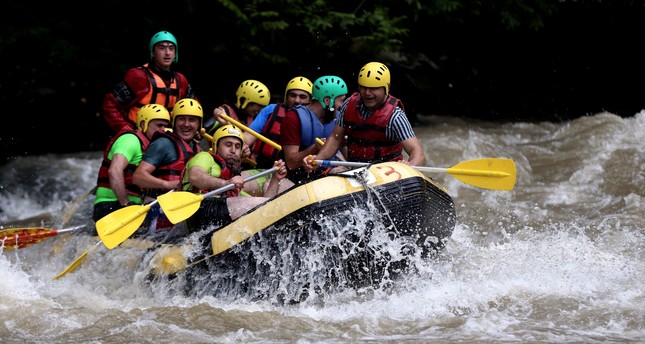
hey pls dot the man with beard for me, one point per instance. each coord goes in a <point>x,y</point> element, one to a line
<point>219,167</point>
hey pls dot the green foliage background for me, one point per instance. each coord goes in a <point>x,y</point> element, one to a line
<point>504,60</point>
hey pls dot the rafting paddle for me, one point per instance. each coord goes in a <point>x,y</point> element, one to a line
<point>180,205</point>
<point>76,263</point>
<point>15,238</point>
<point>339,155</point>
<point>251,131</point>
<point>115,227</point>
<point>486,173</point>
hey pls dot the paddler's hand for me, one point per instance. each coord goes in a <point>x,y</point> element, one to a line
<point>281,171</point>
<point>246,151</point>
<point>217,115</point>
<point>171,185</point>
<point>308,163</point>
<point>238,181</point>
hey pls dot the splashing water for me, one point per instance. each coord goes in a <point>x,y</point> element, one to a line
<point>557,259</point>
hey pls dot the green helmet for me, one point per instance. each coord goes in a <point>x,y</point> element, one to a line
<point>149,112</point>
<point>164,36</point>
<point>375,74</point>
<point>298,83</point>
<point>252,91</point>
<point>328,86</point>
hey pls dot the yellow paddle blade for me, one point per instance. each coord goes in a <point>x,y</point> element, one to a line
<point>179,205</point>
<point>487,173</point>
<point>72,266</point>
<point>115,227</point>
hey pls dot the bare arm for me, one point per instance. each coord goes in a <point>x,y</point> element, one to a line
<point>413,148</point>
<point>332,144</point>
<point>144,178</point>
<point>276,178</point>
<point>294,157</point>
<point>199,178</point>
<point>117,181</point>
<point>248,139</point>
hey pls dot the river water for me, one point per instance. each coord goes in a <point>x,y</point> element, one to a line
<point>560,258</point>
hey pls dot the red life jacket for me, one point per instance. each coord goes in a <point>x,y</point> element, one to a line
<point>158,93</point>
<point>266,155</point>
<point>366,140</point>
<point>174,170</point>
<point>103,179</point>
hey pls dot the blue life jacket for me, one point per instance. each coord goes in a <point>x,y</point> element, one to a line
<point>310,126</point>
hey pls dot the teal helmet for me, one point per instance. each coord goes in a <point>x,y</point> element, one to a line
<point>164,36</point>
<point>328,86</point>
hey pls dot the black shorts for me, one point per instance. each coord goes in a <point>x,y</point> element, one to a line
<point>103,208</point>
<point>212,212</point>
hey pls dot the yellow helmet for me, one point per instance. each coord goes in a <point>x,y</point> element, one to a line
<point>187,107</point>
<point>252,91</point>
<point>375,74</point>
<point>228,130</point>
<point>299,83</point>
<point>149,112</point>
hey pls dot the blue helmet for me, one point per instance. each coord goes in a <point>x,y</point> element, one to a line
<point>164,36</point>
